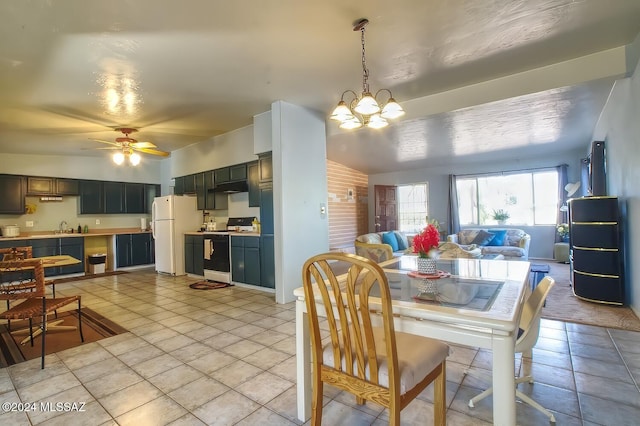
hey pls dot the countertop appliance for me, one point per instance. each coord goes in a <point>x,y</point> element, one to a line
<point>217,263</point>
<point>10,231</point>
<point>171,217</point>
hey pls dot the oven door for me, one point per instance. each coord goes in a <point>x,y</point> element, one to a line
<point>216,258</point>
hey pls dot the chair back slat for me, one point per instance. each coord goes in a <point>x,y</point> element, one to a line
<point>351,300</point>
<point>14,274</point>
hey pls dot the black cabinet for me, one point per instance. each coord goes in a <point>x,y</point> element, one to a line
<point>178,188</point>
<point>245,260</point>
<point>151,191</point>
<point>194,254</point>
<point>595,237</point>
<point>238,172</point>
<point>267,250</point>
<point>67,186</point>
<point>113,197</point>
<point>12,193</point>
<point>201,192</point>
<point>37,185</point>
<point>72,246</point>
<point>266,167</point>
<point>253,181</point>
<point>91,197</point>
<point>222,175</point>
<point>134,249</point>
<point>134,198</point>
<point>190,184</point>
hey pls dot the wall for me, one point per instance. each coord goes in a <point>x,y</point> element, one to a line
<point>299,190</point>
<point>347,217</point>
<point>542,237</point>
<point>619,127</point>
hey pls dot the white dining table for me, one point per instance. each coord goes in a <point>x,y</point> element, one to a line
<point>487,315</point>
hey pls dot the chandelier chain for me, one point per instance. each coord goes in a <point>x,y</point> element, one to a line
<point>365,71</point>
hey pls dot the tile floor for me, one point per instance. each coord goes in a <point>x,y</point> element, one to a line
<point>227,357</point>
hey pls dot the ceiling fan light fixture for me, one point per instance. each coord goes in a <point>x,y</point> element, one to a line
<point>118,158</point>
<point>134,159</point>
<point>365,106</point>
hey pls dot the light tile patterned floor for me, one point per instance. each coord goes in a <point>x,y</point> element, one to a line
<point>227,356</point>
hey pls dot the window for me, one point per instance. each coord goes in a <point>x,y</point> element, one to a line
<point>413,207</point>
<point>530,198</point>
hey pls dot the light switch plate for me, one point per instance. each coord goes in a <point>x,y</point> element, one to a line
<point>29,224</point>
<point>97,221</point>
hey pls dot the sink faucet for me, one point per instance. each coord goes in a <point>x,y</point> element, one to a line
<point>63,226</point>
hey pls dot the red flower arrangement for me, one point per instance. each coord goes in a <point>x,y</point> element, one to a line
<point>426,241</point>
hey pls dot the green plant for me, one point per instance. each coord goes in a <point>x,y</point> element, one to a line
<point>500,215</point>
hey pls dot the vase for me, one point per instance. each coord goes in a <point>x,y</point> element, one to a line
<point>565,239</point>
<point>427,265</point>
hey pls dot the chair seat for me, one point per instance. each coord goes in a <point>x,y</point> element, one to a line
<point>31,308</point>
<point>417,357</point>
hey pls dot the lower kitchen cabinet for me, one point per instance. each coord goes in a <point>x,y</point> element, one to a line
<point>245,260</point>
<point>267,262</point>
<point>72,246</point>
<point>194,254</point>
<point>134,249</point>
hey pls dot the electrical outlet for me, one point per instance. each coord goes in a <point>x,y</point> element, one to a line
<point>97,221</point>
<point>29,224</point>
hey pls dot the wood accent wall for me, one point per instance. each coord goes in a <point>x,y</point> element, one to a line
<point>347,217</point>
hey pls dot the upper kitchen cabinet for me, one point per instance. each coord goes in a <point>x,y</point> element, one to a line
<point>151,191</point>
<point>222,175</point>
<point>201,191</point>
<point>190,184</point>
<point>265,167</point>
<point>51,186</point>
<point>114,197</point>
<point>134,198</point>
<point>91,197</point>
<point>12,191</point>
<point>253,180</point>
<point>178,186</point>
<point>230,174</point>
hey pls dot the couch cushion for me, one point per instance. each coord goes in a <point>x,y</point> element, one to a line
<point>372,238</point>
<point>506,251</point>
<point>390,238</point>
<point>499,239</point>
<point>403,241</point>
<point>467,235</point>
<point>483,238</point>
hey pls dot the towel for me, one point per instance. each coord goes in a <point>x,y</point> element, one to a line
<point>207,249</point>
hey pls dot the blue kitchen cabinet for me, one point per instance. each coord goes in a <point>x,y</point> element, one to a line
<point>194,254</point>
<point>134,249</point>
<point>267,253</point>
<point>72,246</point>
<point>245,260</point>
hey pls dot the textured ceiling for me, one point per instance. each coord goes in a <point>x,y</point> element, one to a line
<point>182,72</point>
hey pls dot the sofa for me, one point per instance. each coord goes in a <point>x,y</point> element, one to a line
<point>381,246</point>
<point>512,243</point>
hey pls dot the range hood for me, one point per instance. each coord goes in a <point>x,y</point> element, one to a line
<point>232,187</point>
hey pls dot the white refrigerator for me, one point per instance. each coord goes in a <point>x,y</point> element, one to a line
<point>171,217</point>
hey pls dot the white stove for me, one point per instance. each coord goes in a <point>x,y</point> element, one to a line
<point>217,249</point>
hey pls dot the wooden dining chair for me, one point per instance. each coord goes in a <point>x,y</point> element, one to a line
<point>364,355</point>
<point>16,277</point>
<point>529,330</point>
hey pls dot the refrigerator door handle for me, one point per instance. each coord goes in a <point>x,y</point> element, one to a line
<point>153,219</point>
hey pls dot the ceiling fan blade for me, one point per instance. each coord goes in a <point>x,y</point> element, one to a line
<point>109,142</point>
<point>142,145</point>
<point>153,151</point>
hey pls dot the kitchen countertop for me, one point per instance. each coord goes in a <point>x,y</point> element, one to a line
<point>233,234</point>
<point>107,232</point>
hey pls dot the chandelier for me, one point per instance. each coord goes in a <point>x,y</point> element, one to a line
<point>119,156</point>
<point>365,110</point>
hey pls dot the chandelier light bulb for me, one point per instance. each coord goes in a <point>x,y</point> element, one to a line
<point>377,122</point>
<point>392,110</point>
<point>341,113</point>
<point>134,159</point>
<point>367,105</point>
<point>118,158</point>
<point>354,123</point>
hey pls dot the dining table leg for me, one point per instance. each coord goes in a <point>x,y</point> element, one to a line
<point>504,384</point>
<point>303,362</point>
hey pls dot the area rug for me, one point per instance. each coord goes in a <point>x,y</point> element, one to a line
<point>208,285</point>
<point>94,327</point>
<point>563,305</point>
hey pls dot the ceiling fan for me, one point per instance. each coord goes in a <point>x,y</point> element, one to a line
<point>126,147</point>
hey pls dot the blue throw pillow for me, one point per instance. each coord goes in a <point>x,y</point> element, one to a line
<point>483,238</point>
<point>403,242</point>
<point>390,238</point>
<point>500,235</point>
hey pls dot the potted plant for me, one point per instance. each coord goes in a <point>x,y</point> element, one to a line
<point>501,216</point>
<point>425,244</point>
<point>563,231</point>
